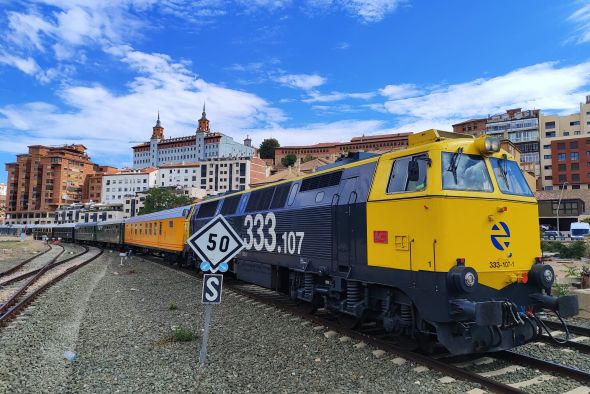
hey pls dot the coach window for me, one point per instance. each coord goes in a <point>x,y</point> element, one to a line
<point>160,228</point>
<point>155,228</point>
<point>170,224</point>
<point>319,197</point>
<point>401,180</point>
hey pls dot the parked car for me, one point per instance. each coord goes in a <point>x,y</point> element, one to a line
<point>551,234</point>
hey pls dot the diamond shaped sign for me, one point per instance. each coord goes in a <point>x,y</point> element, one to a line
<point>216,242</point>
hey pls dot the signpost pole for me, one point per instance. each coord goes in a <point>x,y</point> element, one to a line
<point>203,352</point>
<point>215,243</point>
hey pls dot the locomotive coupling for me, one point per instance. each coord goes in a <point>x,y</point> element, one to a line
<point>566,306</point>
<point>487,313</point>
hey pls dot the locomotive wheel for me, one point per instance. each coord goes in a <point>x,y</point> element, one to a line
<point>348,321</point>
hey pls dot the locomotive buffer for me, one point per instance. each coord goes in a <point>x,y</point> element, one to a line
<point>215,243</point>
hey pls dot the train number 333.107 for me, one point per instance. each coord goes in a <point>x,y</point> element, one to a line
<point>261,234</point>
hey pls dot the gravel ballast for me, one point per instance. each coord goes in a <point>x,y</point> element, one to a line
<point>118,322</point>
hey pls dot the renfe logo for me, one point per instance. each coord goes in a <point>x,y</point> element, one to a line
<point>504,233</point>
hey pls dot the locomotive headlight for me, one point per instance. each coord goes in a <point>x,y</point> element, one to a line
<point>469,279</point>
<point>542,275</point>
<point>487,145</point>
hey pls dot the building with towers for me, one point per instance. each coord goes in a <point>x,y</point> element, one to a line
<point>203,145</point>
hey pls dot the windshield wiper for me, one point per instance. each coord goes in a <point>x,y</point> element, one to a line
<point>455,163</point>
<point>504,171</point>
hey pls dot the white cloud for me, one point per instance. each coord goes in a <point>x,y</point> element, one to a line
<point>301,81</point>
<point>29,66</point>
<point>340,131</point>
<point>106,121</point>
<point>582,19</point>
<point>370,10</point>
<point>399,91</point>
<point>544,86</point>
<point>316,97</point>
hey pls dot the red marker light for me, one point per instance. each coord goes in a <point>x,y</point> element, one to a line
<point>380,237</point>
<point>525,277</point>
<point>461,261</point>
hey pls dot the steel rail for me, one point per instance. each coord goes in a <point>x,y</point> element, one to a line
<point>22,263</point>
<point>30,297</point>
<point>35,271</point>
<point>577,330</point>
<point>562,370</point>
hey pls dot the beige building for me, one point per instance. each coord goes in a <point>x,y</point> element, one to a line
<point>555,131</point>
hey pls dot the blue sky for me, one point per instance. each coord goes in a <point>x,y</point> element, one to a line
<point>97,72</point>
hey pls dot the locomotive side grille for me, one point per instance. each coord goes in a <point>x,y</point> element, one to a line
<point>320,181</point>
<point>230,205</point>
<point>260,200</point>
<point>207,209</point>
<point>280,197</point>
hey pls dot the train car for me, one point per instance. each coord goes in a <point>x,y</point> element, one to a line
<point>110,232</point>
<point>42,230</point>
<point>64,231</point>
<point>85,232</point>
<point>11,230</point>
<point>438,242</point>
<point>164,231</point>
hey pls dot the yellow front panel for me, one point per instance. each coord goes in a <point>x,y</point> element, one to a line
<point>429,229</point>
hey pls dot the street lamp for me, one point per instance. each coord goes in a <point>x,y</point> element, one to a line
<point>558,204</point>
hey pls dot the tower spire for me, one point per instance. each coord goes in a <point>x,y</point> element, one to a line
<point>158,130</point>
<point>203,122</point>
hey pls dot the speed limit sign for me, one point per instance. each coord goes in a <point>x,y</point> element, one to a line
<point>216,242</point>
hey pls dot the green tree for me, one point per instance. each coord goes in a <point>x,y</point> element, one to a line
<point>289,160</point>
<point>267,148</point>
<point>159,199</point>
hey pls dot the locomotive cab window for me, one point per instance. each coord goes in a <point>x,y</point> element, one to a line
<point>408,174</point>
<point>465,172</point>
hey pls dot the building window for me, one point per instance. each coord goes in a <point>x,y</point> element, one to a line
<point>561,167</point>
<point>546,146</point>
<point>574,145</point>
<point>562,178</point>
<point>574,156</point>
<point>561,146</point>
<point>576,177</point>
<point>550,134</point>
<point>575,166</point>
<point>575,187</point>
<point>549,125</point>
<point>547,157</point>
<point>575,123</point>
<point>566,133</point>
<point>561,157</point>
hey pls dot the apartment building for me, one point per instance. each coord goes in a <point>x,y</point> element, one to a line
<point>126,182</point>
<point>565,149</point>
<point>474,127</point>
<point>45,178</point>
<point>521,128</point>
<point>88,212</point>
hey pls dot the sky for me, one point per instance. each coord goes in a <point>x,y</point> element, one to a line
<point>303,72</point>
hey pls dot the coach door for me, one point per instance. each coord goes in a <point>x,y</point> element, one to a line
<point>344,225</point>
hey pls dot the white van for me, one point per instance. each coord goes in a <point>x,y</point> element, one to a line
<point>579,230</point>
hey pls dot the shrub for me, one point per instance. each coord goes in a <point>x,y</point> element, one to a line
<point>571,271</point>
<point>560,289</point>
<point>172,306</point>
<point>181,334</point>
<point>573,250</point>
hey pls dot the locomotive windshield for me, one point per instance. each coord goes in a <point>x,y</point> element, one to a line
<point>465,172</point>
<point>510,178</point>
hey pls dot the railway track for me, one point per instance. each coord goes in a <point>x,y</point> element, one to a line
<point>25,262</point>
<point>15,300</point>
<point>454,366</point>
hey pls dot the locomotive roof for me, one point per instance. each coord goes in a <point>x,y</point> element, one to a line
<point>180,212</point>
<point>112,221</point>
<point>85,224</point>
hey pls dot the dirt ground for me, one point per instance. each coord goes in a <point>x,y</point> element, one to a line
<point>11,249</point>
